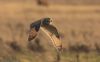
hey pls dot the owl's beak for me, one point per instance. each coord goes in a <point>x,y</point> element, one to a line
<point>51,23</point>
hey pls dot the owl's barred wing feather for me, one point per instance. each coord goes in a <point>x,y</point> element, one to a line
<point>57,42</point>
<point>52,29</point>
<point>32,34</point>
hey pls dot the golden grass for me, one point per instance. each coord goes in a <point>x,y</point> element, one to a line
<point>78,25</point>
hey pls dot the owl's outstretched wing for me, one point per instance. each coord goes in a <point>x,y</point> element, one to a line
<point>34,28</point>
<point>55,41</point>
<point>53,34</point>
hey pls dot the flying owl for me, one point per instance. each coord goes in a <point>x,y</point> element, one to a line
<point>46,25</point>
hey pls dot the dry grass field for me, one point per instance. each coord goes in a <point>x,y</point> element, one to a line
<point>78,26</point>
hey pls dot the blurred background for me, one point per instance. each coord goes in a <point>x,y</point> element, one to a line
<point>78,22</point>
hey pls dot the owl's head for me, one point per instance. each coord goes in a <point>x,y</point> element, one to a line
<point>46,21</point>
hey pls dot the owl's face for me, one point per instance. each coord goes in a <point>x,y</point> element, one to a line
<point>46,21</point>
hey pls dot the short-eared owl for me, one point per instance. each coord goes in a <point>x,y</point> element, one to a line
<point>46,24</point>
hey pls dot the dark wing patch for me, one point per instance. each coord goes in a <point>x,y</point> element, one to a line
<point>52,29</point>
<point>36,25</point>
<point>34,28</point>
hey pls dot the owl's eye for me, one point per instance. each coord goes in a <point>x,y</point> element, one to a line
<point>47,22</point>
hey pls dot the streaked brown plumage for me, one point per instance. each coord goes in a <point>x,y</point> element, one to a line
<point>32,34</point>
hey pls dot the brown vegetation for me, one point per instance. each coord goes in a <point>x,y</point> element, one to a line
<point>78,25</point>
